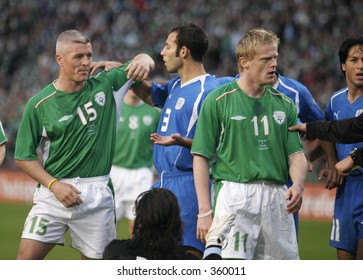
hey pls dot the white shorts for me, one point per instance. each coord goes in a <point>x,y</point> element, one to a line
<point>92,224</point>
<point>128,184</point>
<point>263,230</point>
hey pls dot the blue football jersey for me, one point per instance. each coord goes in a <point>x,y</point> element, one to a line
<point>180,105</point>
<point>307,109</point>
<point>339,108</point>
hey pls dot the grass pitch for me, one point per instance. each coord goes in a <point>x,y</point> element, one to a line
<point>313,237</point>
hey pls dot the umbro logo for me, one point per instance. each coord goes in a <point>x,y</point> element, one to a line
<point>65,118</point>
<point>238,118</point>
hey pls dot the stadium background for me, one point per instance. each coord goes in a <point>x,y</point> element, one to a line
<point>310,34</point>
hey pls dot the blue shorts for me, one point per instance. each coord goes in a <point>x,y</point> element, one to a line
<point>347,224</point>
<point>182,185</point>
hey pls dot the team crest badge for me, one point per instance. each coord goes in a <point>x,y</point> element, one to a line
<point>100,98</point>
<point>148,120</point>
<point>179,104</point>
<point>279,117</point>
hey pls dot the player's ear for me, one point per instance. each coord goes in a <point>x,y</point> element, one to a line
<point>343,67</point>
<point>59,59</point>
<point>243,63</point>
<point>184,51</point>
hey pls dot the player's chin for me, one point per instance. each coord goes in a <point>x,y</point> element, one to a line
<point>82,77</point>
<point>270,78</point>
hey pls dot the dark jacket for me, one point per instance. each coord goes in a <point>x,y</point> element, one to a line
<point>125,250</point>
<point>342,131</point>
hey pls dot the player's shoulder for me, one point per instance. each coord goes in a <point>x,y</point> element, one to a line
<point>292,84</point>
<point>338,96</point>
<point>278,95</point>
<point>225,79</point>
<point>44,94</point>
<point>172,83</point>
<point>339,93</point>
<point>211,82</point>
<point>202,84</point>
<point>224,92</point>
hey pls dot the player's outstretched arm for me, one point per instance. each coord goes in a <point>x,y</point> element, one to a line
<point>299,127</point>
<point>173,139</point>
<point>140,67</point>
<point>104,65</point>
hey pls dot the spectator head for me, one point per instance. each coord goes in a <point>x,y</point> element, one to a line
<point>157,227</point>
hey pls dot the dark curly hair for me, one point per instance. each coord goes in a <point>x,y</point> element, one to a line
<point>158,228</point>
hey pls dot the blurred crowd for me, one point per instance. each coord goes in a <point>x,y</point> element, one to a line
<point>310,32</point>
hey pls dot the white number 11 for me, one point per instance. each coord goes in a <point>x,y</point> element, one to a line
<point>264,122</point>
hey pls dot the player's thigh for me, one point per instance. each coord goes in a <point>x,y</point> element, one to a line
<point>244,200</point>
<point>33,249</point>
<point>359,222</point>
<point>182,185</point>
<point>93,225</point>
<point>278,239</point>
<point>47,221</point>
<point>344,255</point>
<point>360,250</point>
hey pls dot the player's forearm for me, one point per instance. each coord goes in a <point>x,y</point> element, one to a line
<point>145,58</point>
<point>298,169</point>
<point>330,152</point>
<point>2,153</point>
<point>201,180</point>
<point>186,142</point>
<point>143,90</point>
<point>35,170</point>
<point>315,151</point>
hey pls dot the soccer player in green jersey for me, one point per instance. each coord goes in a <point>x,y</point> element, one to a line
<point>132,166</point>
<point>73,122</point>
<point>3,141</point>
<point>242,134</point>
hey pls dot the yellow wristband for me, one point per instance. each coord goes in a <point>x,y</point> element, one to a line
<point>51,183</point>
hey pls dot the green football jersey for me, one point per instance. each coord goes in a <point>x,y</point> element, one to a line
<point>75,131</point>
<point>134,149</point>
<point>3,138</point>
<point>247,138</point>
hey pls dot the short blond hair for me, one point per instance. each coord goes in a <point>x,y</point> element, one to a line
<point>70,37</point>
<point>246,46</point>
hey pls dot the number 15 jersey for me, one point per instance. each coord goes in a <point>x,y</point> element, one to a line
<point>76,131</point>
